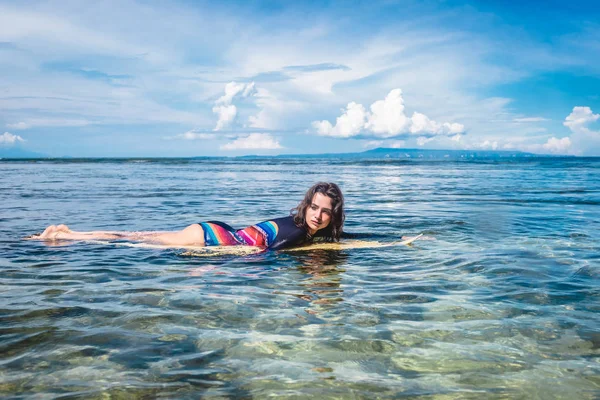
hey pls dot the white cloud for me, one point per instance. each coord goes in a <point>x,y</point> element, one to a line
<point>264,99</point>
<point>422,124</point>
<point>552,146</point>
<point>579,118</point>
<point>224,107</point>
<point>529,119</point>
<point>193,135</point>
<point>350,123</point>
<point>396,144</point>
<point>18,125</point>
<point>47,122</point>
<point>422,140</point>
<point>277,110</point>
<point>9,139</point>
<point>489,145</point>
<point>253,141</point>
<point>389,144</point>
<point>387,116</point>
<point>557,146</point>
<point>386,119</point>
<point>232,89</point>
<point>584,141</point>
<point>226,113</point>
<point>453,128</point>
<point>43,28</point>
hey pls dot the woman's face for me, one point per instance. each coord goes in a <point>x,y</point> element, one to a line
<point>318,214</point>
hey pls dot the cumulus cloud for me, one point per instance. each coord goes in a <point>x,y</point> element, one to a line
<point>253,141</point>
<point>557,146</point>
<point>349,124</point>
<point>579,118</point>
<point>584,140</point>
<point>18,125</point>
<point>224,107</point>
<point>9,139</point>
<point>387,116</point>
<point>226,115</point>
<point>385,119</point>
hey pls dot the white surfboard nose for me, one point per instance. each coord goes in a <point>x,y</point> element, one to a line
<point>409,241</point>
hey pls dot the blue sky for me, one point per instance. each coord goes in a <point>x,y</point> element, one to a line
<point>189,78</point>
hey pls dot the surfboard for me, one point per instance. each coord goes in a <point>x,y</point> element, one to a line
<point>211,251</point>
<point>352,244</point>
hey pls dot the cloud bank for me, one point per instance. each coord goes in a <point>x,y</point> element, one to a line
<point>582,141</point>
<point>386,119</point>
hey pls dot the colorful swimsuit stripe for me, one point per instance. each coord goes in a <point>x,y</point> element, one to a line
<point>252,236</point>
<point>269,230</point>
<point>262,234</point>
<point>219,234</point>
<point>273,234</point>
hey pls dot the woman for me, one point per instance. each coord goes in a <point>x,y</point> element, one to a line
<point>321,214</point>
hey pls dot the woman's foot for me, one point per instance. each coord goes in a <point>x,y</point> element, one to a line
<point>54,232</point>
<point>63,232</point>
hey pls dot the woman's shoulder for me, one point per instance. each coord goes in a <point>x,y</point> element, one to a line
<point>285,224</point>
<point>284,220</point>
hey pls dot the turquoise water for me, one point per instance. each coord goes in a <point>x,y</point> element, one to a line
<point>503,304</point>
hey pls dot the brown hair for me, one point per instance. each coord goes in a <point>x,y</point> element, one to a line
<point>334,230</point>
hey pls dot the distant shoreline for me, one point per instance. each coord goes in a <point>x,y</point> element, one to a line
<point>375,154</point>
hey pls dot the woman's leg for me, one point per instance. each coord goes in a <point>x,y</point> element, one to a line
<point>64,232</point>
<point>193,235</point>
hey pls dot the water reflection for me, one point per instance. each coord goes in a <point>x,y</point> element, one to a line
<point>322,286</point>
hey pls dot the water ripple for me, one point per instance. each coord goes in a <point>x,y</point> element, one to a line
<point>503,304</point>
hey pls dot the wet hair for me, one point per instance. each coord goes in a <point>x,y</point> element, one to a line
<point>333,231</point>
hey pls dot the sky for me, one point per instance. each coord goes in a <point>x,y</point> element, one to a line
<point>191,78</point>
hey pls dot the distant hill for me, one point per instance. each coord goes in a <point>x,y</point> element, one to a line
<point>17,152</point>
<point>380,153</point>
<point>444,154</point>
<point>387,153</point>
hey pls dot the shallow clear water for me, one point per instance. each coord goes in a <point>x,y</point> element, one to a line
<point>504,304</point>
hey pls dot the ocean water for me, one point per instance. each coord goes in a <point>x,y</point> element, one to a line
<point>504,303</point>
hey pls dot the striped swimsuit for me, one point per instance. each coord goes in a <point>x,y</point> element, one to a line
<point>274,234</point>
